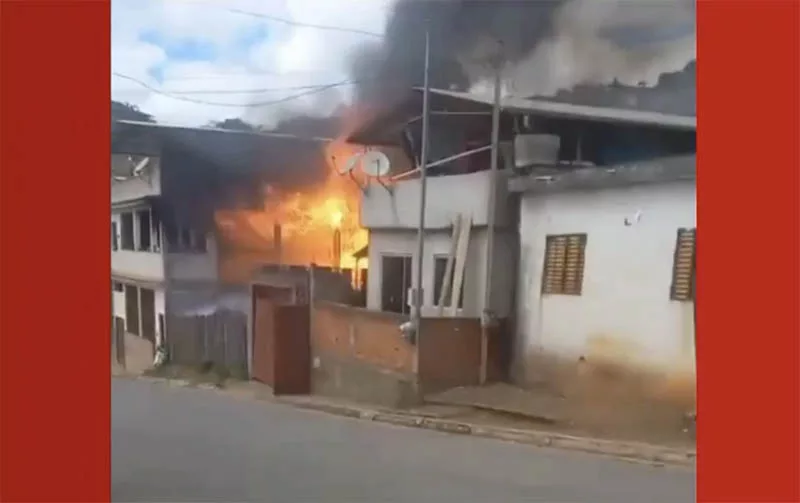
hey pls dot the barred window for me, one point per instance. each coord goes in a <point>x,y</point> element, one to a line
<point>683,266</point>
<point>563,264</point>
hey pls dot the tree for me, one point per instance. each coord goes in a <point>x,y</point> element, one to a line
<point>128,111</point>
<point>234,124</point>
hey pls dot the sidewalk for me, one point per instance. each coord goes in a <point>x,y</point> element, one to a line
<point>455,420</point>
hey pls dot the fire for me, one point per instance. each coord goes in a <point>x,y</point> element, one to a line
<point>318,225</point>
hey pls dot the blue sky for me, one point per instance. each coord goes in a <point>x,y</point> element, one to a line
<point>209,50</point>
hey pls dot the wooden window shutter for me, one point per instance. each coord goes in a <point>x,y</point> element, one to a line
<point>683,267</point>
<point>563,264</point>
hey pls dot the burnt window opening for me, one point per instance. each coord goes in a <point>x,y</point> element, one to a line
<point>439,270</point>
<point>145,231</point>
<point>395,283</point>
<point>183,239</point>
<point>199,243</point>
<point>126,231</point>
<point>683,266</point>
<point>114,237</point>
<point>563,264</point>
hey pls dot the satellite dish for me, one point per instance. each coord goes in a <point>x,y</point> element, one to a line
<point>349,165</point>
<point>140,167</point>
<point>375,163</point>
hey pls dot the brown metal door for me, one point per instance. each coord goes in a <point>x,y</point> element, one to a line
<point>265,299</point>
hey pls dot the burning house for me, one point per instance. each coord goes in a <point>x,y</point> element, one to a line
<point>197,213</point>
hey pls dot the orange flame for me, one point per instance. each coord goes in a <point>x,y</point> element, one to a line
<point>308,220</point>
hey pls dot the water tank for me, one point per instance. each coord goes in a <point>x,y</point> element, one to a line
<point>536,149</point>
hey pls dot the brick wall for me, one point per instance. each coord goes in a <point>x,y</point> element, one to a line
<point>450,353</point>
<point>361,355</point>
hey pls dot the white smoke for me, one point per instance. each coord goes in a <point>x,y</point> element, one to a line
<point>597,42</point>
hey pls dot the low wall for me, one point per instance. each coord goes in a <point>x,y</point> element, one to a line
<point>361,355</point>
<point>139,353</point>
<point>450,353</point>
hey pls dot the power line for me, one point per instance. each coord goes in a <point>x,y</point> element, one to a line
<point>308,91</point>
<point>254,91</point>
<point>292,22</point>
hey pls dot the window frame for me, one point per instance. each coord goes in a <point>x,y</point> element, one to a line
<point>674,293</point>
<point>559,286</point>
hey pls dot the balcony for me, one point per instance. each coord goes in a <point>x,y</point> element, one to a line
<point>447,196</point>
<point>143,265</point>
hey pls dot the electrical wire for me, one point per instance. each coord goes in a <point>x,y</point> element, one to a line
<point>310,90</point>
<point>254,91</point>
<point>292,22</point>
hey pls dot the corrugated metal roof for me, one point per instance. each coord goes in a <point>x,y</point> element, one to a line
<point>584,112</point>
<point>264,134</point>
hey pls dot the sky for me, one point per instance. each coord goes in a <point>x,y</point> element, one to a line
<point>208,50</point>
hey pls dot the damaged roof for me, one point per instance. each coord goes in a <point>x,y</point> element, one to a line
<point>383,128</point>
<point>228,145</point>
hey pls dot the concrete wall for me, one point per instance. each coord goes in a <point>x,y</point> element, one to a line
<point>624,316</point>
<point>149,184</point>
<point>447,196</point>
<point>438,243</point>
<point>195,266</point>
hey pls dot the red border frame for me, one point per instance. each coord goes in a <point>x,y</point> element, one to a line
<point>55,367</point>
<point>748,181</point>
<point>54,385</point>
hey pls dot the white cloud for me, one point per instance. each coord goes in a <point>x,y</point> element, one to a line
<point>204,45</point>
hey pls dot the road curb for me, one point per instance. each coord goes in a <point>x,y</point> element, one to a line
<point>633,451</point>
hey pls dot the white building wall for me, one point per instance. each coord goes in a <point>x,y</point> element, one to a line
<point>118,300</point>
<point>447,196</point>
<point>161,309</point>
<point>438,243</point>
<point>624,312</point>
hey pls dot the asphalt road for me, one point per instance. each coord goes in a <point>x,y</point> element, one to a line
<point>193,445</point>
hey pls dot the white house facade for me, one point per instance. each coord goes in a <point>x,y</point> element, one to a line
<point>606,272</point>
<point>392,217</point>
<point>149,255</point>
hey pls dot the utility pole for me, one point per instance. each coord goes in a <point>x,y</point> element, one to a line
<point>423,188</point>
<point>488,316</point>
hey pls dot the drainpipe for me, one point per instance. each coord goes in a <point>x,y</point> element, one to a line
<point>488,317</point>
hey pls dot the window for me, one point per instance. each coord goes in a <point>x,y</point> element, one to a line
<point>563,264</point>
<point>683,266</point>
<point>117,286</point>
<point>114,237</point>
<point>145,232</point>
<point>126,222</point>
<point>439,269</point>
